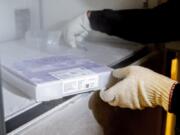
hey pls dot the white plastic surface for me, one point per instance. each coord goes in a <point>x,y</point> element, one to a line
<point>15,102</point>
<point>74,119</point>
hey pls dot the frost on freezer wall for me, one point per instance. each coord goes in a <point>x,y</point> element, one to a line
<point>18,16</point>
<point>15,16</point>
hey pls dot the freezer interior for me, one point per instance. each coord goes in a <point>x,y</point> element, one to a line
<point>32,29</point>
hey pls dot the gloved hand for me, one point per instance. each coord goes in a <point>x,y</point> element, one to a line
<point>139,88</point>
<point>76,30</point>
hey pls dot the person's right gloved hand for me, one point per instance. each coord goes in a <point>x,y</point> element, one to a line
<point>138,88</point>
<point>76,30</point>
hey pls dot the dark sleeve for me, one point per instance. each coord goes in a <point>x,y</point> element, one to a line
<point>175,107</point>
<point>159,24</point>
<point>175,101</point>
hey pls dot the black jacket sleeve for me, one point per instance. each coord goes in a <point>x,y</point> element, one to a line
<point>159,24</point>
<point>174,107</point>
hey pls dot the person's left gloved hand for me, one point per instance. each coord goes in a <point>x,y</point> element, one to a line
<point>76,30</point>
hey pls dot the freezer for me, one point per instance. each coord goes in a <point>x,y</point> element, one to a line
<point>19,106</point>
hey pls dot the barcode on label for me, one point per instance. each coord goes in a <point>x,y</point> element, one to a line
<point>80,84</point>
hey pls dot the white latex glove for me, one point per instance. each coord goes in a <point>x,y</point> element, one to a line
<point>139,88</point>
<point>76,30</point>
